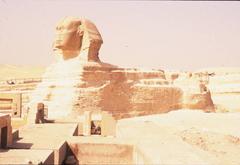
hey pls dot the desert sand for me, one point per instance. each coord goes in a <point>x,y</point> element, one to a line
<point>185,137</point>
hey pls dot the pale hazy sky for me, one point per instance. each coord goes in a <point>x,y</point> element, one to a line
<point>151,34</point>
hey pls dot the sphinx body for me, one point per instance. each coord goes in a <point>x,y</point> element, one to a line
<point>79,81</point>
<point>76,45</point>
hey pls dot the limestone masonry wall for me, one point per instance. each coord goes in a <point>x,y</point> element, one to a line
<point>123,92</point>
<point>128,93</point>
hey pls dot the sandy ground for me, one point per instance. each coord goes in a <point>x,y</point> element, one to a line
<point>185,137</point>
<point>20,72</point>
<point>227,102</point>
<point>225,88</point>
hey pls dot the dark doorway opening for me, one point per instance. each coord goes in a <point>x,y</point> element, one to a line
<point>4,137</point>
<point>95,127</point>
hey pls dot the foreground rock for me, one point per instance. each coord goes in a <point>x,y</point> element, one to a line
<point>185,137</point>
<point>182,137</point>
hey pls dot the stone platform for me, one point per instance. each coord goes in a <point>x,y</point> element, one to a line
<point>102,150</point>
<point>184,137</point>
<point>46,137</point>
<point>60,139</point>
<point>22,156</point>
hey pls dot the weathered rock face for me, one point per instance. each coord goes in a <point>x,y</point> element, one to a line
<point>224,85</point>
<point>125,93</point>
<point>78,81</point>
<point>77,38</point>
<point>198,101</point>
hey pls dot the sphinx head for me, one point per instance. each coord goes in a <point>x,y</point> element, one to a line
<point>77,37</point>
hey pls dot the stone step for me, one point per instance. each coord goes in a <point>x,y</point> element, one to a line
<point>6,111</point>
<point>101,150</point>
<point>6,106</point>
<point>16,89</point>
<point>15,134</point>
<point>18,85</point>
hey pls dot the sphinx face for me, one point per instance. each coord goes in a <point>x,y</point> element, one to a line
<point>68,36</point>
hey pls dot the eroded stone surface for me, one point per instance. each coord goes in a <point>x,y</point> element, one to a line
<point>77,37</point>
<point>184,137</point>
<point>79,81</point>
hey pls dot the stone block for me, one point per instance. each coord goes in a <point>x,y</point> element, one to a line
<point>87,123</point>
<point>108,124</point>
<point>5,131</point>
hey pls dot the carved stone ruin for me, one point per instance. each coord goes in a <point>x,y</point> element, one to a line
<point>79,81</point>
<point>98,123</point>
<point>77,38</point>
<point>11,103</point>
<point>5,131</point>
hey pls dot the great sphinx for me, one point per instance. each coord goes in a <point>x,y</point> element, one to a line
<point>79,81</point>
<point>76,47</point>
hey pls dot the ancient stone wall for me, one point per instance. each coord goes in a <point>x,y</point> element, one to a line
<point>123,92</point>
<point>127,93</point>
<point>198,101</point>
